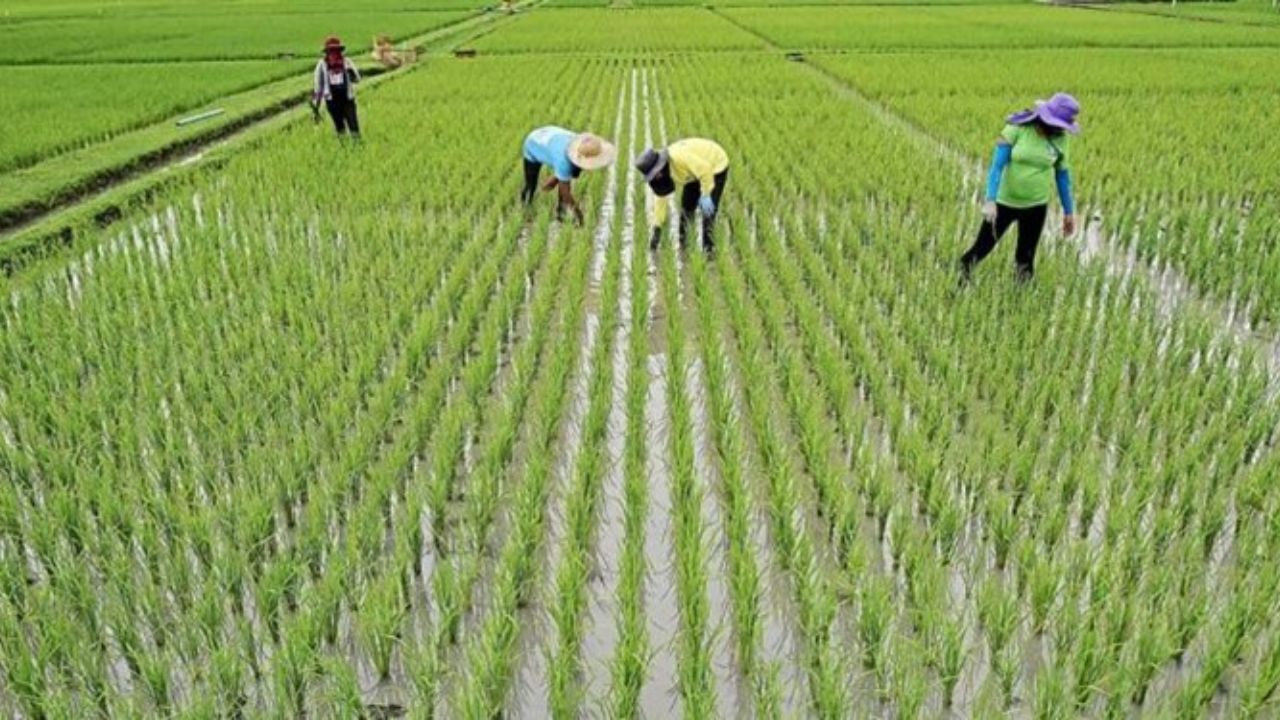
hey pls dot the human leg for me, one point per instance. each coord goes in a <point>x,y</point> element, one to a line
<point>988,235</point>
<point>688,208</point>
<point>709,223</point>
<point>1030,227</point>
<point>532,169</point>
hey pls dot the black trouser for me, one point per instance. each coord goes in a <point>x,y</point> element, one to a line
<point>1030,224</point>
<point>343,111</point>
<point>532,168</point>
<point>689,206</point>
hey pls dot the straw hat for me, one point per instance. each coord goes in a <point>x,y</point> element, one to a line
<point>591,153</point>
<point>333,43</point>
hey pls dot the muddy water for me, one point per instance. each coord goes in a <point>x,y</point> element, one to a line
<point>730,692</point>
<point>532,681</point>
<point>659,697</point>
<point>601,634</point>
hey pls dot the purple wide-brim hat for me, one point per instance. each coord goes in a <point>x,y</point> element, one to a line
<point>1058,111</point>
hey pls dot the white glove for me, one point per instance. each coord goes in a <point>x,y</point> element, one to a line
<point>989,211</point>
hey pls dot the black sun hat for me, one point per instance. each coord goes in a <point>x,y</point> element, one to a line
<point>652,164</point>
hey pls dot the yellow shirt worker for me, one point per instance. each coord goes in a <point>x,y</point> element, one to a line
<point>701,168</point>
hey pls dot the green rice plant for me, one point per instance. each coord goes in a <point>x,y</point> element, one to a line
<point>1051,698</point>
<point>948,654</point>
<point>227,679</point>
<point>379,616</point>
<point>999,614</point>
<point>291,669</point>
<point>342,688</point>
<point>910,690</point>
<point>875,620</point>
<point>1259,692</point>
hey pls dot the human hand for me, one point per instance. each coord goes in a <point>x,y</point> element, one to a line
<point>707,205</point>
<point>1068,225</point>
<point>989,211</point>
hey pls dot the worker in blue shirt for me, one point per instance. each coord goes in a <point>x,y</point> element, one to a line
<point>567,154</point>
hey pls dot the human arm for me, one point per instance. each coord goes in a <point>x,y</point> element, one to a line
<point>567,200</point>
<point>353,72</point>
<point>317,84</point>
<point>1062,176</point>
<point>999,161</point>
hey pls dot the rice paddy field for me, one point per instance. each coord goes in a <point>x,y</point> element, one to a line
<point>338,431</point>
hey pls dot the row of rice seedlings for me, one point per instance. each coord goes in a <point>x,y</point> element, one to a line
<point>883,648</point>
<point>377,577</point>
<point>849,417</point>
<point>748,596</point>
<point>1248,608</point>
<point>265,606</point>
<point>569,597</point>
<point>493,455</point>
<point>1038,607</point>
<point>695,676</point>
<point>815,601</point>
<point>1041,605</point>
<point>1000,626</point>
<point>206,531</point>
<point>490,652</point>
<point>924,602</point>
<point>446,435</point>
<point>1035,577</point>
<point>629,666</point>
<point>456,557</point>
<point>170,567</point>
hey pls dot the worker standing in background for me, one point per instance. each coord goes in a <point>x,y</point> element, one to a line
<point>567,154</point>
<point>701,168</point>
<point>1032,155</point>
<point>335,83</point>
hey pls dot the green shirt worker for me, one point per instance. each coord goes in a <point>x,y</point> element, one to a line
<point>1032,155</point>
<point>700,168</point>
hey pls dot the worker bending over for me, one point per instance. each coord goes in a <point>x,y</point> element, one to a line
<point>567,154</point>
<point>701,168</point>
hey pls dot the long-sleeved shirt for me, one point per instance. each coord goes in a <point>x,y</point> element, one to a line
<point>1025,167</point>
<point>690,160</point>
<point>325,80</point>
